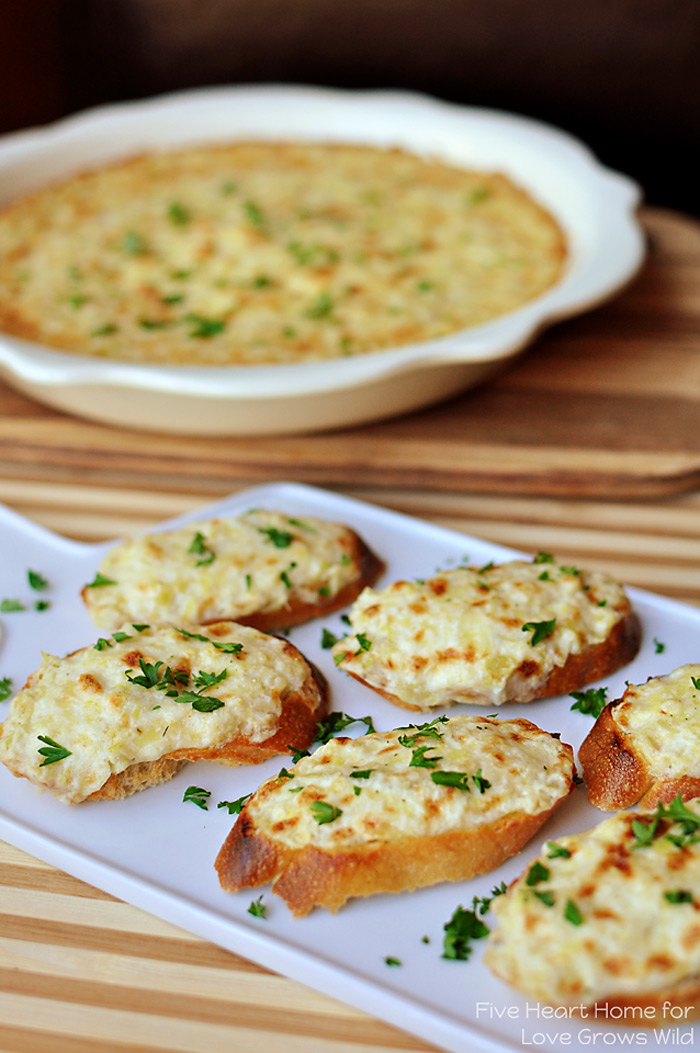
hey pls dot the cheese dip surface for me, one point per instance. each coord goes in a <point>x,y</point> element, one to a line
<point>258,253</point>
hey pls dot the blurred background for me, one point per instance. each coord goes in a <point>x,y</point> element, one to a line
<point>623,75</point>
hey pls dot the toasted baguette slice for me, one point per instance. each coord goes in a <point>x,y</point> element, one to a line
<point>264,569</point>
<point>511,632</point>
<point>606,922</point>
<point>397,810</point>
<point>645,746</point>
<point>130,711</point>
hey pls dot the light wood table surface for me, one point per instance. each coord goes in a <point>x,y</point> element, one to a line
<point>552,455</point>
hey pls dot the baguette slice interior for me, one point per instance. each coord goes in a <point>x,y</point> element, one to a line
<point>263,568</point>
<point>397,810</point>
<point>645,746</point>
<point>509,632</point>
<point>605,922</point>
<point>129,711</point>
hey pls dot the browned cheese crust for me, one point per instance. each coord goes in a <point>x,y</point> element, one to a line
<point>314,878</point>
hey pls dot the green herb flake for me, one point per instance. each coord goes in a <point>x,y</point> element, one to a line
<point>257,908</point>
<point>429,730</point>
<point>323,812</point>
<point>572,913</point>
<point>173,298</point>
<point>102,644</point>
<point>108,329</point>
<point>555,851</point>
<point>463,927</point>
<point>134,244</point>
<point>140,627</point>
<point>179,214</point>
<point>5,687</point>
<point>337,721</point>
<point>254,214</point>
<point>235,807</point>
<point>543,557</point>
<point>228,647</point>
<point>695,680</point>
<point>679,895</point>
<point>592,701</point>
<point>52,751</point>
<point>278,538</point>
<point>328,639</point>
<point>99,580</point>
<point>321,308</point>
<point>37,581</point>
<point>537,873</point>
<point>42,605</point>
<point>363,774</point>
<point>392,961</point>
<point>659,647</point>
<point>419,759</point>
<point>204,328</point>
<point>200,547</point>
<point>459,780</point>
<point>364,643</point>
<point>9,606</point>
<point>480,782</point>
<point>197,796</point>
<point>545,897</point>
<point>539,630</point>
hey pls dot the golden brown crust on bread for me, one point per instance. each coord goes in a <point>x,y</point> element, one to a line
<point>642,744</point>
<point>614,777</point>
<point>137,777</point>
<point>316,878</point>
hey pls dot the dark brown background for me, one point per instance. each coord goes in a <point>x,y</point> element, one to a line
<point>624,75</point>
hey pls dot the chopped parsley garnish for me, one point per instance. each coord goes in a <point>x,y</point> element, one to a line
<point>555,851</point>
<point>679,895</point>
<point>480,782</point>
<point>284,576</point>
<point>419,759</point>
<point>545,897</point>
<point>197,796</point>
<point>592,701</point>
<point>572,913</point>
<point>570,570</point>
<point>235,807</point>
<point>134,244</point>
<point>257,908</point>
<point>99,580</point>
<point>262,282</point>
<point>140,627</point>
<point>392,961</point>
<point>303,525</point>
<point>539,630</point>
<point>200,547</point>
<point>284,773</point>
<point>364,643</point>
<point>204,328</point>
<point>228,647</point>
<point>297,754</point>
<point>202,679</point>
<point>659,647</point>
<point>8,606</point>
<point>102,644</point>
<point>42,605</point>
<point>36,580</point>
<point>108,329</point>
<point>428,730</point>
<point>254,214</point>
<point>169,681</point>
<point>179,214</point>
<point>321,308</point>
<point>537,873</point>
<point>364,774</point>
<point>695,680</point>
<point>543,557</point>
<point>174,298</point>
<point>677,812</point>
<point>328,639</point>
<point>323,812</point>
<point>458,779</point>
<point>154,323</point>
<point>463,927</point>
<point>644,832</point>
<point>5,687</point>
<point>279,538</point>
<point>425,286</point>
<point>200,703</point>
<point>337,721</point>
<point>52,751</point>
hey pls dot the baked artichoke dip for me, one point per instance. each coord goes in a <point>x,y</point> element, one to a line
<point>262,252</point>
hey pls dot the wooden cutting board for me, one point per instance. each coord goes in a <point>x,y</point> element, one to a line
<point>607,404</point>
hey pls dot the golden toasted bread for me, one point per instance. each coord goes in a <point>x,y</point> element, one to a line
<point>605,922</point>
<point>397,810</point>
<point>645,746</point>
<point>131,710</point>
<point>510,632</point>
<point>263,568</point>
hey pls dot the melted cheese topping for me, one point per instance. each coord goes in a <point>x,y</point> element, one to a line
<point>270,252</point>
<point>661,721</point>
<point>262,561</point>
<point>528,771</point>
<point>86,703</point>
<point>631,939</point>
<point>459,636</point>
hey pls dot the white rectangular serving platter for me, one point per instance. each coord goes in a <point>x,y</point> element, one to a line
<point>157,852</point>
